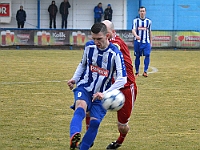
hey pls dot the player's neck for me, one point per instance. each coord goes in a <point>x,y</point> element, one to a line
<point>142,18</point>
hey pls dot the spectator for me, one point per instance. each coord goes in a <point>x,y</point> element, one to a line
<point>53,9</point>
<point>64,12</point>
<point>21,17</point>
<point>98,12</point>
<point>108,13</point>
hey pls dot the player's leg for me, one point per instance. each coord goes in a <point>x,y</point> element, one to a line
<point>50,21</point>
<point>147,51</point>
<point>97,113</point>
<point>82,100</point>
<point>123,116</point>
<point>87,120</point>
<point>137,57</point>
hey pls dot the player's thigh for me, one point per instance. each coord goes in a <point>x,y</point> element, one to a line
<point>97,111</point>
<point>124,113</point>
<point>81,94</point>
<point>147,49</point>
<point>137,48</point>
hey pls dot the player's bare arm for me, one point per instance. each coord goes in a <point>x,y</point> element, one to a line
<point>135,34</point>
<point>150,36</point>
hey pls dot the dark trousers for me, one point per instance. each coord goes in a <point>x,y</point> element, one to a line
<point>20,24</point>
<point>52,19</point>
<point>96,20</point>
<point>64,21</point>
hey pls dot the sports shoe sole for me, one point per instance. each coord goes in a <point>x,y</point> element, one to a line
<point>145,74</point>
<point>74,141</point>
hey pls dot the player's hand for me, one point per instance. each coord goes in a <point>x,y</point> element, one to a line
<point>138,37</point>
<point>71,83</point>
<point>97,95</point>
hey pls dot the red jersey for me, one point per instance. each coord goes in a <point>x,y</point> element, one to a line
<point>127,59</point>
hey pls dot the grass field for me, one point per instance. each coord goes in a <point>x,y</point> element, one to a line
<point>35,100</point>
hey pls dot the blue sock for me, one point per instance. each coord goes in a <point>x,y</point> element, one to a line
<point>146,63</point>
<point>90,135</point>
<point>76,122</point>
<point>137,64</point>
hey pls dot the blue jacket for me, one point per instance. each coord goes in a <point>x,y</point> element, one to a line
<point>98,11</point>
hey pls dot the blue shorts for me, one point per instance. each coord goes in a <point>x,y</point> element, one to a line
<point>95,108</point>
<point>142,49</point>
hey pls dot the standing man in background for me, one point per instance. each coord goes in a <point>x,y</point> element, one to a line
<point>21,17</point>
<point>141,30</point>
<point>98,12</point>
<point>53,9</point>
<point>64,6</point>
<point>108,13</point>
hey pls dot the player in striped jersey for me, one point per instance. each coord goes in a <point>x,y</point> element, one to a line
<point>129,90</point>
<point>93,77</point>
<point>141,30</point>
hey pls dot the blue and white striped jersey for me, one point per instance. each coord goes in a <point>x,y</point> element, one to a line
<point>97,67</point>
<point>142,28</point>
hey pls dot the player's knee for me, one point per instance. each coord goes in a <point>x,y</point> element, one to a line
<point>94,124</point>
<point>82,104</point>
<point>147,55</point>
<point>123,128</point>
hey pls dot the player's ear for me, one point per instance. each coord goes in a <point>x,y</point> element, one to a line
<point>108,35</point>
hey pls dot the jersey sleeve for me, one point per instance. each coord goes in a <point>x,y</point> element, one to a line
<point>121,76</point>
<point>81,67</point>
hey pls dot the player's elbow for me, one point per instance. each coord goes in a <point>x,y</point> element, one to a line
<point>123,81</point>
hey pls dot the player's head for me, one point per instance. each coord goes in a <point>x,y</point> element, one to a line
<point>100,35</point>
<point>110,28</point>
<point>142,12</point>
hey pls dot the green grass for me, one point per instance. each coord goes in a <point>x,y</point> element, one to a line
<point>35,100</point>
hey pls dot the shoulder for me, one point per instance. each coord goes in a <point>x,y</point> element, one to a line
<point>114,48</point>
<point>136,19</point>
<point>89,43</point>
<point>148,19</point>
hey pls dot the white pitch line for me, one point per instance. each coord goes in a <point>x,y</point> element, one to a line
<point>154,70</point>
<point>33,82</point>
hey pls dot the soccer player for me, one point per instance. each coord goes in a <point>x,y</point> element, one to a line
<point>141,30</point>
<point>93,77</point>
<point>129,90</point>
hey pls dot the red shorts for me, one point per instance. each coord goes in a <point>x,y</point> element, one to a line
<point>124,113</point>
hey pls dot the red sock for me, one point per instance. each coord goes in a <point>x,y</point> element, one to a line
<point>121,138</point>
<point>87,122</point>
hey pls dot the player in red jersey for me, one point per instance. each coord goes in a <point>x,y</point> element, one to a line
<point>129,90</point>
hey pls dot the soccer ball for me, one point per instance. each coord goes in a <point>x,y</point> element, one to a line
<point>113,100</point>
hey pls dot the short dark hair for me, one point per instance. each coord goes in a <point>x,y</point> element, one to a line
<point>99,27</point>
<point>141,7</point>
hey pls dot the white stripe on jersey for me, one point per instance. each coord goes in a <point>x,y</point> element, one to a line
<point>142,28</point>
<point>97,68</point>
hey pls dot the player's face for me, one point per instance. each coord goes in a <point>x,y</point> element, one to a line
<point>100,40</point>
<point>142,13</point>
